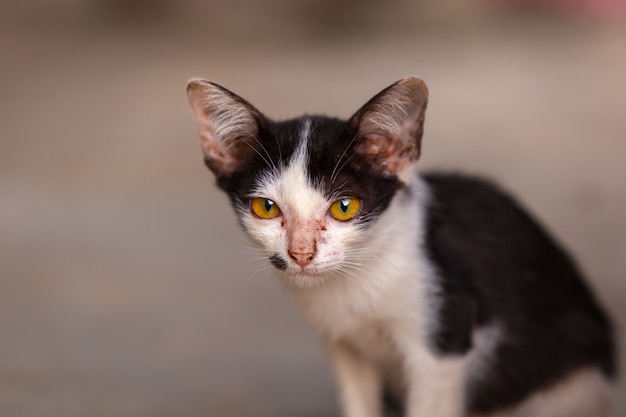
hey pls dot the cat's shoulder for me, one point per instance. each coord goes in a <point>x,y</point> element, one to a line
<point>461,186</point>
<point>470,196</point>
<point>469,208</point>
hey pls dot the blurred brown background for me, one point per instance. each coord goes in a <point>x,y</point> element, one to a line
<point>125,288</point>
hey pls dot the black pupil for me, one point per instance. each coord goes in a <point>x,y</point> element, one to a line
<point>268,204</point>
<point>344,205</point>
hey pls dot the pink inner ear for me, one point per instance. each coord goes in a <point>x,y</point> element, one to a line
<point>218,159</point>
<point>387,154</point>
<point>223,123</point>
<point>213,148</point>
<point>390,126</point>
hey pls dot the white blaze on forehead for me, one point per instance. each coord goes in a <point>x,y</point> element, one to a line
<point>299,196</point>
<point>291,188</point>
<point>305,131</point>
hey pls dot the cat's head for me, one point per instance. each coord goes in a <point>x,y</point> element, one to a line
<point>309,189</point>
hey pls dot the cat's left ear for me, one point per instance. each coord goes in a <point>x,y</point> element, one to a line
<point>390,126</point>
<point>227,125</point>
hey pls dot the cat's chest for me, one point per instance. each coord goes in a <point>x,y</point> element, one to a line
<point>366,308</point>
<point>375,343</point>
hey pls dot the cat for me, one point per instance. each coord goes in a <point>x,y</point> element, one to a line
<point>436,291</point>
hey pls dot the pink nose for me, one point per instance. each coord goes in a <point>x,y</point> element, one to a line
<point>302,259</point>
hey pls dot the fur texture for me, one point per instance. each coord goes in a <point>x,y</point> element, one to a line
<point>441,291</point>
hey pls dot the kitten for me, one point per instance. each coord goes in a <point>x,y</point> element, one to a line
<point>438,290</point>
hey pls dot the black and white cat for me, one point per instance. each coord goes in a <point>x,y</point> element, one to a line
<point>437,290</point>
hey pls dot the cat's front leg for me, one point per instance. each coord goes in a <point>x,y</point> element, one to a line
<point>436,384</point>
<point>359,383</point>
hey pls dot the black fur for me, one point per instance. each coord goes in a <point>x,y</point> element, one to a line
<point>278,262</point>
<point>497,265</point>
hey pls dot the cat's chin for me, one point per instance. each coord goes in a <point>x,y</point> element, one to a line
<point>305,278</point>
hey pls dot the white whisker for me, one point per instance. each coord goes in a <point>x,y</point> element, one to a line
<point>335,172</point>
<point>268,160</point>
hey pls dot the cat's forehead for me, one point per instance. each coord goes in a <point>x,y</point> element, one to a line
<point>305,164</point>
<point>290,184</point>
<point>320,142</point>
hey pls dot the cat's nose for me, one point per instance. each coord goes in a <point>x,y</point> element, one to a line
<point>302,258</point>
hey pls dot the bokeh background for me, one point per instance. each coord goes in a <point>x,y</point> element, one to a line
<point>126,288</point>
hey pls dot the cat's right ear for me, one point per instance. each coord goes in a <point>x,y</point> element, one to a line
<point>227,125</point>
<point>390,126</point>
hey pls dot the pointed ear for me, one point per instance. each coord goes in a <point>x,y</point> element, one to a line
<point>390,126</point>
<point>226,123</point>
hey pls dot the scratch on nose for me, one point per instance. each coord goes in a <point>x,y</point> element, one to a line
<point>302,238</point>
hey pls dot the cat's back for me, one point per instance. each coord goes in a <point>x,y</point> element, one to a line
<point>485,244</point>
<point>479,235</point>
<point>497,262</point>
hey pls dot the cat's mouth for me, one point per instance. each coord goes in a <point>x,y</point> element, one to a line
<point>308,271</point>
<point>312,274</point>
<point>285,265</point>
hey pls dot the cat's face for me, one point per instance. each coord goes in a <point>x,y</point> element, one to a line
<point>308,190</point>
<point>307,211</point>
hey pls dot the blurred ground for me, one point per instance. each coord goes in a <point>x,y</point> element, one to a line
<point>125,288</point>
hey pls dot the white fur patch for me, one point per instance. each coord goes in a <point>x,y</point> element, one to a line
<point>485,340</point>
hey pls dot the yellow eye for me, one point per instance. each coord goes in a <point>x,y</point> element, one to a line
<point>345,209</point>
<point>264,208</point>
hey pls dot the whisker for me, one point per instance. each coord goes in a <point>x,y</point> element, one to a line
<point>332,175</point>
<point>357,250</point>
<point>257,259</point>
<point>354,266</point>
<point>343,165</point>
<point>263,269</point>
<point>269,162</point>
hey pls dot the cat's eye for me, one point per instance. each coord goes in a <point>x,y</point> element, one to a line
<point>345,209</point>
<point>264,208</point>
